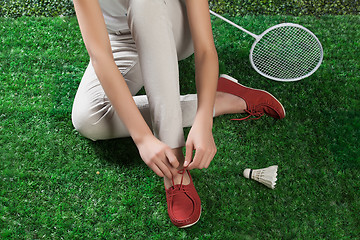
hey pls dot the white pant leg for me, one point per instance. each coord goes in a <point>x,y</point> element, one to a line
<point>92,114</point>
<point>159,29</point>
<point>94,117</point>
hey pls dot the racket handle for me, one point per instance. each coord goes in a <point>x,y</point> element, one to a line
<point>235,25</point>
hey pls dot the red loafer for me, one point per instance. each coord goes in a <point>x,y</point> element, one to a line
<point>183,202</point>
<point>258,102</point>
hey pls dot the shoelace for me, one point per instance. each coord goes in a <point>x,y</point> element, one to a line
<point>182,172</point>
<point>257,115</point>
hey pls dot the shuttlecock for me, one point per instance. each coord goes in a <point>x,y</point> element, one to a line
<point>266,176</point>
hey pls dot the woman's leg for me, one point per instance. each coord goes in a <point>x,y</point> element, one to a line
<point>152,27</point>
<point>93,115</point>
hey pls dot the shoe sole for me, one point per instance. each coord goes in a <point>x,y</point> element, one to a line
<point>191,224</point>
<point>236,81</point>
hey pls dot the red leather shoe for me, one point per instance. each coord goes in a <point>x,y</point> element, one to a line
<point>258,102</point>
<point>183,202</point>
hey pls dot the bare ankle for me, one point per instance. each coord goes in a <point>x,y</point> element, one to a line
<point>226,103</point>
<point>180,156</point>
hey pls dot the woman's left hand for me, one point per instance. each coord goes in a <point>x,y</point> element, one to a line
<point>201,140</point>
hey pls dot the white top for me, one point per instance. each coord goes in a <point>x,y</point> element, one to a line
<point>114,12</point>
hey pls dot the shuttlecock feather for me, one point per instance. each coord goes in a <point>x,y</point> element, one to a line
<point>266,176</point>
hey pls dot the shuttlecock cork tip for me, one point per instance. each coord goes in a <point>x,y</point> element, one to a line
<point>246,173</point>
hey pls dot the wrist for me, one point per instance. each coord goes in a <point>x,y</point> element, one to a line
<point>141,137</point>
<point>205,118</point>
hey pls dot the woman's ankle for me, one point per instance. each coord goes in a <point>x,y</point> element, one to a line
<point>180,177</point>
<point>179,156</point>
<point>184,177</point>
<point>226,103</point>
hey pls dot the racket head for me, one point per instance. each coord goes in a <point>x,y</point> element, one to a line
<point>286,52</point>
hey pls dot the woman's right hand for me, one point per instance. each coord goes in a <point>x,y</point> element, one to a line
<point>158,156</point>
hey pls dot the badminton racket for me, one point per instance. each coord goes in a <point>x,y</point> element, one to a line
<point>285,52</point>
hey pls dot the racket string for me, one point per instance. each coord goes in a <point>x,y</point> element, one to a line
<point>286,53</point>
<point>279,63</point>
<point>280,66</point>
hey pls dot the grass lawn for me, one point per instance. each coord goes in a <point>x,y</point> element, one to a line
<point>50,189</point>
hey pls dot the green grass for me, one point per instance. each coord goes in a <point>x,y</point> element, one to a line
<point>49,188</point>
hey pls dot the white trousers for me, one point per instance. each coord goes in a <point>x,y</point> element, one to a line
<point>148,56</point>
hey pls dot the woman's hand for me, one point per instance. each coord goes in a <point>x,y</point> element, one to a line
<point>200,137</point>
<point>158,156</point>
<point>201,140</point>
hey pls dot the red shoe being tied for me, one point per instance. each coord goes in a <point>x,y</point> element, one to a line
<point>258,102</point>
<point>183,202</point>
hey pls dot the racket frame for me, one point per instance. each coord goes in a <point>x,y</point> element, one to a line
<point>258,38</point>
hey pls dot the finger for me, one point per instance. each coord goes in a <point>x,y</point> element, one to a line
<point>206,158</point>
<point>188,154</point>
<point>173,170</point>
<point>208,155</point>
<point>165,169</point>
<point>156,170</point>
<point>199,154</point>
<point>172,158</point>
<point>211,157</point>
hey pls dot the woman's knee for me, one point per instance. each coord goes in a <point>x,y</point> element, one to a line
<point>82,123</point>
<point>88,119</point>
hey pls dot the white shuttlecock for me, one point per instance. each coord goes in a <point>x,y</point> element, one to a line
<point>266,176</point>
